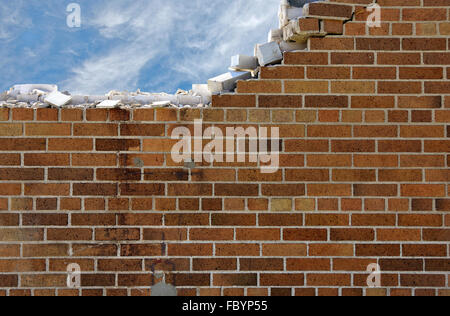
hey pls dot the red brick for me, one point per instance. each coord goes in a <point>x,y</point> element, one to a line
<point>334,250</point>
<point>352,235</point>
<point>422,280</point>
<point>22,144</point>
<point>424,44</point>
<point>190,250</point>
<point>234,101</point>
<point>399,87</point>
<point>257,86</point>
<point>57,129</point>
<point>384,250</point>
<point>21,114</point>
<point>330,43</point>
<point>233,220</point>
<point>422,190</point>
<point>285,279</point>
<point>306,58</point>
<point>373,220</point>
<point>425,220</point>
<point>381,43</point>
<point>117,234</point>
<point>69,115</point>
<point>69,234</point>
<point>421,250</point>
<point>375,190</point>
<point>233,250</point>
<point>373,102</point>
<point>352,58</point>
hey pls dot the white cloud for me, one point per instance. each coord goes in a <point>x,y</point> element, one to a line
<point>190,40</point>
<point>11,19</point>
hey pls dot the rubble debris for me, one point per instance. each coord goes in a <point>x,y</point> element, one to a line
<point>161,103</point>
<point>202,90</point>
<point>29,88</point>
<point>244,62</point>
<point>57,99</point>
<point>108,104</point>
<point>299,30</point>
<point>3,96</point>
<point>288,12</point>
<point>299,3</point>
<point>339,12</point>
<point>275,35</point>
<point>268,53</point>
<point>296,27</point>
<point>292,46</point>
<point>227,81</point>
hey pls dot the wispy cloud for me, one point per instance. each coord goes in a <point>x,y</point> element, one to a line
<point>160,44</point>
<point>12,19</point>
<point>154,45</point>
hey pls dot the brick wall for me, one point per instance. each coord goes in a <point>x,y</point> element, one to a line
<point>364,178</point>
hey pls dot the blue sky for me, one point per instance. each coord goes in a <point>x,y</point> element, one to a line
<point>153,45</point>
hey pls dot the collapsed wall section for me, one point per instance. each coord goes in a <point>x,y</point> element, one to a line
<point>363,178</point>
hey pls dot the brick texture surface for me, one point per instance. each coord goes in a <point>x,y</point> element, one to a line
<point>364,177</point>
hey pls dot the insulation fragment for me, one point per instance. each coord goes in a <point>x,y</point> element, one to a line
<point>57,99</point>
